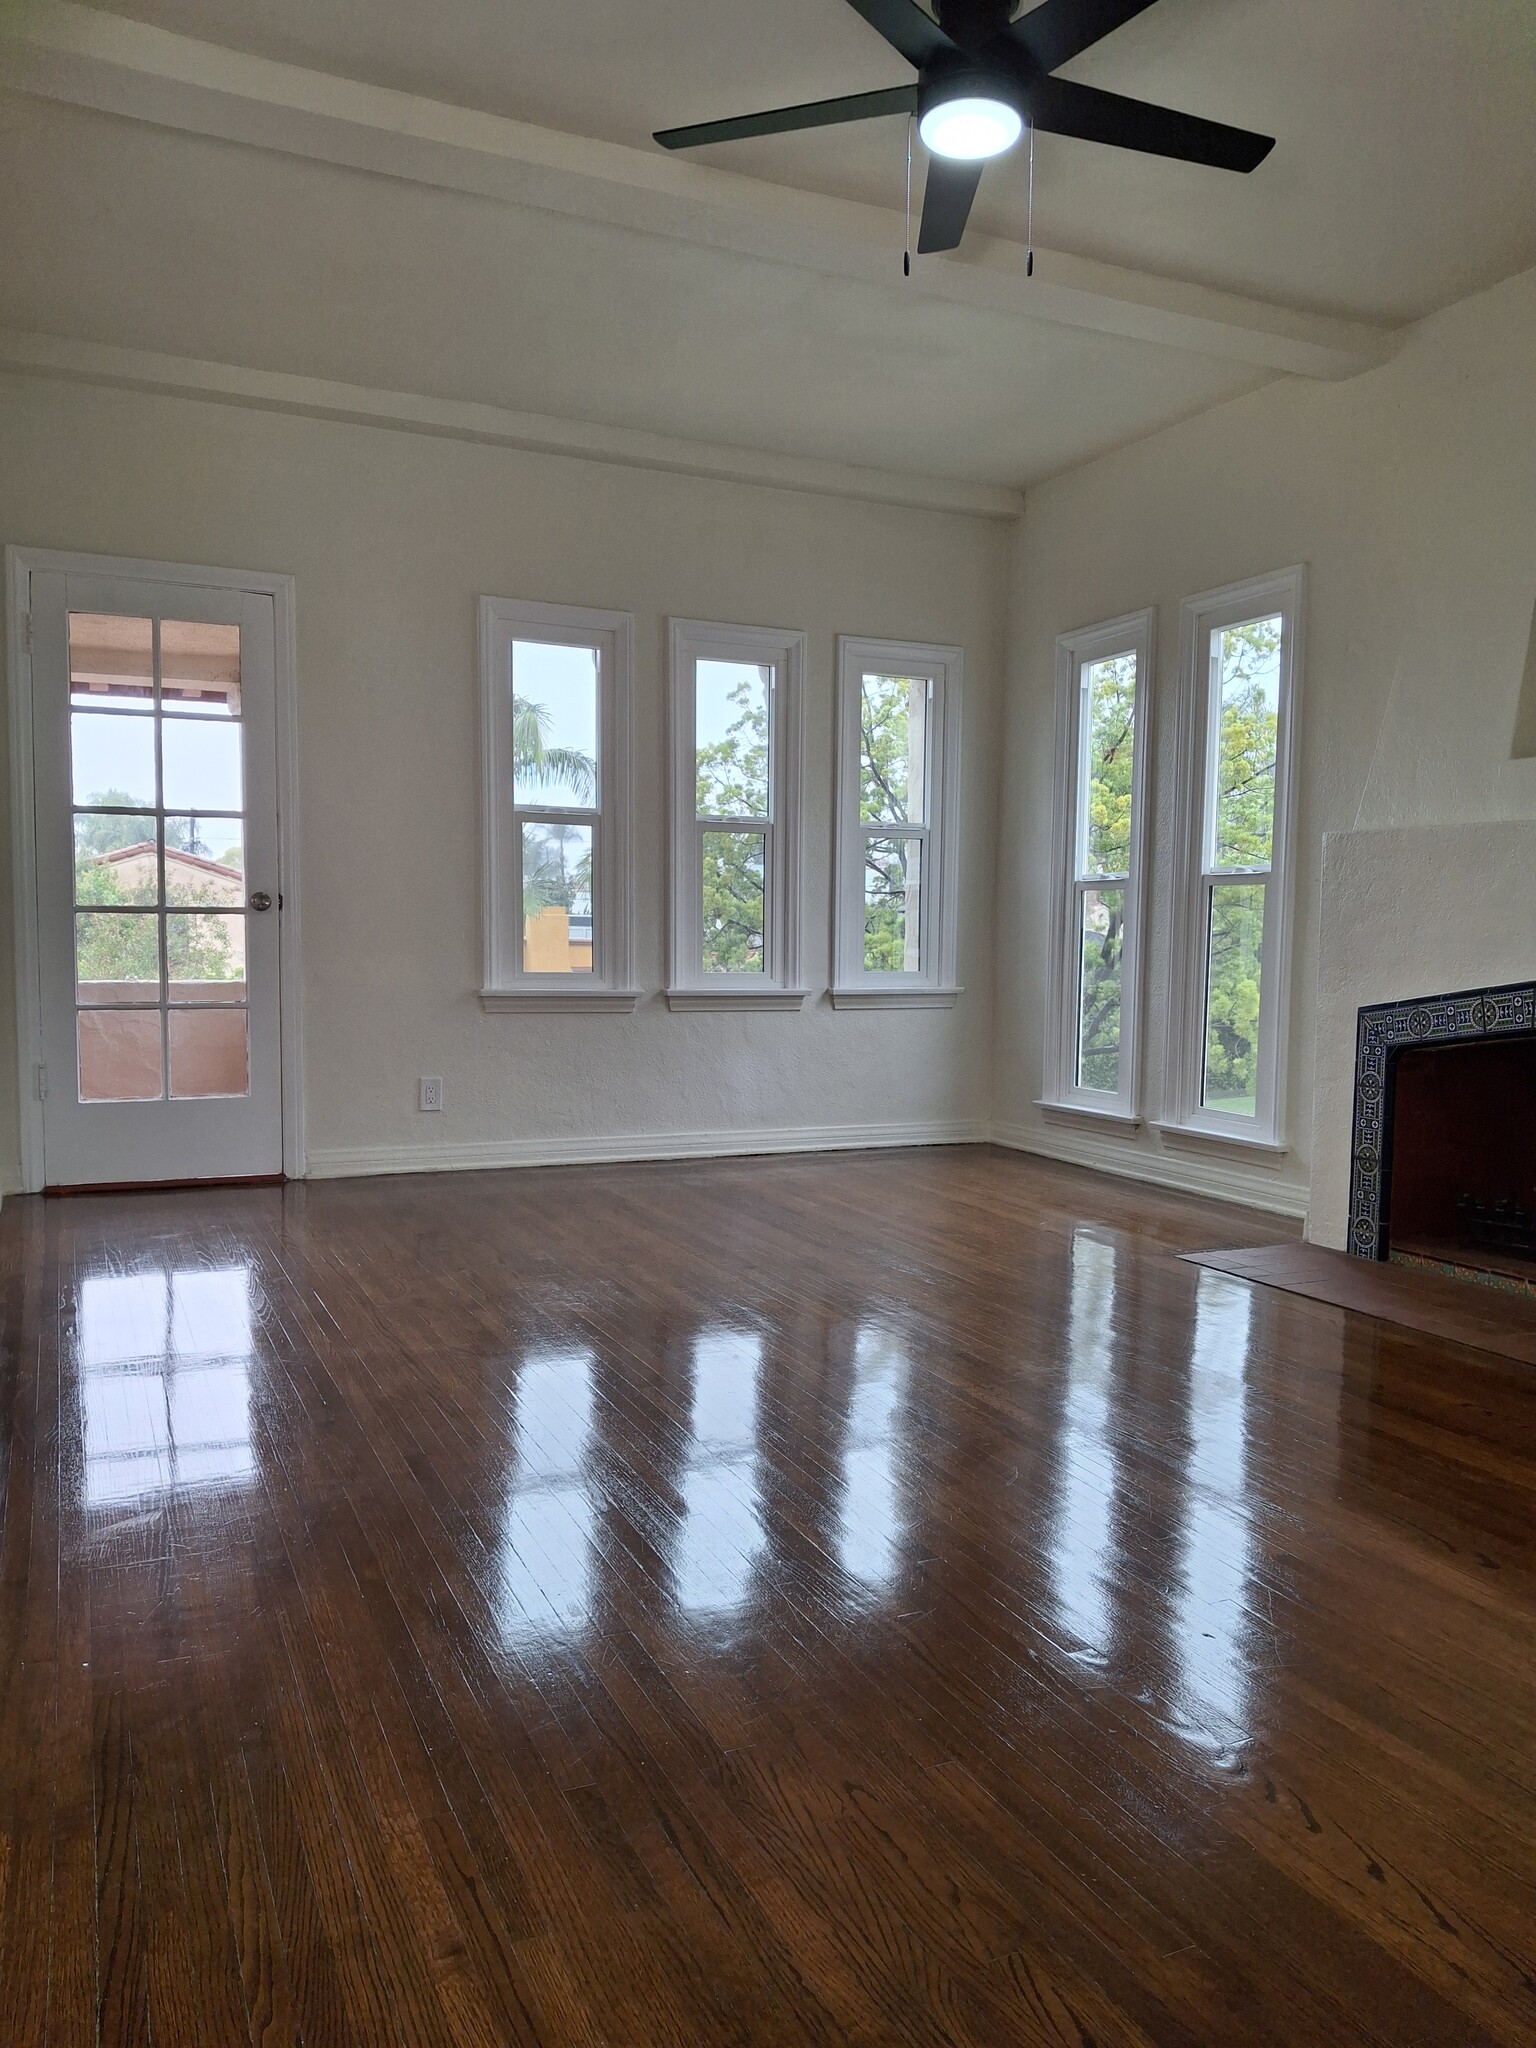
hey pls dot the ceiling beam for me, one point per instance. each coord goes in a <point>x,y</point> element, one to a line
<point>496,426</point>
<point>84,58</point>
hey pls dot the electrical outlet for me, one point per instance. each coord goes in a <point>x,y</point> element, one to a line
<point>432,1091</point>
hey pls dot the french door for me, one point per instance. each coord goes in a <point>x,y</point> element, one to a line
<point>158,900</point>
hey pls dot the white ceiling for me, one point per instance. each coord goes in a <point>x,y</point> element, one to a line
<point>1405,176</point>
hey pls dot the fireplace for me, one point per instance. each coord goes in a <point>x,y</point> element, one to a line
<point>1443,1169</point>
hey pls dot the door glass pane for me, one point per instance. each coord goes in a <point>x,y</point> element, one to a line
<point>117,957</point>
<point>204,861</point>
<point>733,906</point>
<point>200,668</point>
<point>111,662</point>
<point>202,765</point>
<point>1101,951</point>
<point>116,859</point>
<point>1109,733</point>
<point>731,736</point>
<point>119,1055</point>
<point>1249,676</point>
<point>554,726</point>
<point>210,1052</point>
<point>557,899</point>
<point>893,893</point>
<point>893,750</point>
<point>205,956</point>
<point>112,757</point>
<point>1236,937</point>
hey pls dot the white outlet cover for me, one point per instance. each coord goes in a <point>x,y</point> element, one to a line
<point>432,1091</point>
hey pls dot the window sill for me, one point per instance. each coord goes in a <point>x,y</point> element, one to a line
<point>876,998</point>
<point>1083,1113</point>
<point>549,1002</point>
<point>736,998</point>
<point>1196,1138</point>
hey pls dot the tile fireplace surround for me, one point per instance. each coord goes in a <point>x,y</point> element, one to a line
<point>1385,1030</point>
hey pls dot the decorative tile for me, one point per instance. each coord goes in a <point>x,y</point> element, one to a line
<point>1382,1032</point>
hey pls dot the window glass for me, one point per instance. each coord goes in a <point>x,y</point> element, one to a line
<point>734,903</point>
<point>1234,962</point>
<point>732,739</point>
<point>893,892</point>
<point>893,745</point>
<point>1109,739</point>
<point>554,726</point>
<point>1247,667</point>
<point>1101,960</point>
<point>557,898</point>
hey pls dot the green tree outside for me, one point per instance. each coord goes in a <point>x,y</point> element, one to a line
<point>892,753</point>
<point>1245,831</point>
<point>732,782</point>
<point>1111,713</point>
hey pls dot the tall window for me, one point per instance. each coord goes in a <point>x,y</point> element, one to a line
<point>898,817</point>
<point>558,918</point>
<point>735,874</point>
<point>1242,680</point>
<point>1094,1021</point>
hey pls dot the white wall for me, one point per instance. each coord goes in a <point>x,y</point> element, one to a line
<point>392,537</point>
<point>1410,492</point>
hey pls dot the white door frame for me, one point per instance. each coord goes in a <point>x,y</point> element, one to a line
<point>20,565</point>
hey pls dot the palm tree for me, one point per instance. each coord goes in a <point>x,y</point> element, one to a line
<point>547,767</point>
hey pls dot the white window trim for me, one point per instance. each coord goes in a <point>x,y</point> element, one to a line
<point>778,987</point>
<point>854,987</point>
<point>1187,1121</point>
<point>507,986</point>
<point>1135,633</point>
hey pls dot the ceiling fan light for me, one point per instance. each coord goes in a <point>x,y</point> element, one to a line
<point>971,128</point>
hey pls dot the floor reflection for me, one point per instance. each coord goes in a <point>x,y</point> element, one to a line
<point>722,1529</point>
<point>165,1384</point>
<point>1216,1552</point>
<point>547,1532</point>
<point>870,1525</point>
<point>1082,1537</point>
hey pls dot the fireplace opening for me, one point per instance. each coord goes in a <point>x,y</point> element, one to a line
<point>1460,1187</point>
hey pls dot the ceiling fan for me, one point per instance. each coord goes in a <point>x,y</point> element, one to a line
<point>982,77</point>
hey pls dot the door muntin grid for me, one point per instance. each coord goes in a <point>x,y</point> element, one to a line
<point>158,814</point>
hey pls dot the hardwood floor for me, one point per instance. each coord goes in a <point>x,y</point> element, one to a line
<point>879,1599</point>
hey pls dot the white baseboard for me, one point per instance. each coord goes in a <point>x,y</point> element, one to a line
<point>1247,1187</point>
<point>345,1161</point>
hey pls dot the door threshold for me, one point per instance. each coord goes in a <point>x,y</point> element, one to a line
<point>161,1187</point>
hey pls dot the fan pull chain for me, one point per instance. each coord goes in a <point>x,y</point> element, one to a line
<point>906,253</point>
<point>1029,230</point>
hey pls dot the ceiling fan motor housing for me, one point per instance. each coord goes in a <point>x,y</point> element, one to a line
<point>983,67</point>
<point>974,23</point>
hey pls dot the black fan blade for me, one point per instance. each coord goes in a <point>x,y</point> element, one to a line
<point>859,106</point>
<point>946,203</point>
<point>1059,107</point>
<point>906,28</point>
<point>1060,29</point>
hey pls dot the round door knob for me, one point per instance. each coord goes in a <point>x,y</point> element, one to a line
<point>260,900</point>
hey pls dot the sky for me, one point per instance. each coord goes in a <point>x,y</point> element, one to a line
<point>116,750</point>
<point>716,713</point>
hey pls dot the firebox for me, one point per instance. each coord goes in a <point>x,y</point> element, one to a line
<point>1461,1161</point>
<point>1443,1168</point>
